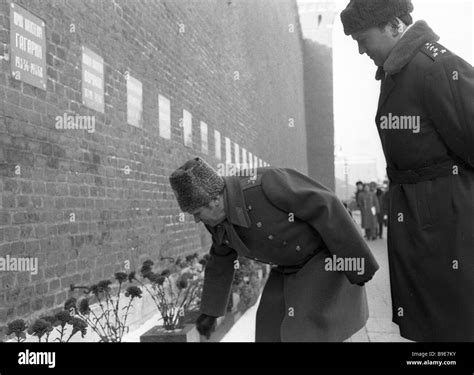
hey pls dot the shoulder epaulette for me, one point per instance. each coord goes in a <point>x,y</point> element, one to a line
<point>247,182</point>
<point>434,50</point>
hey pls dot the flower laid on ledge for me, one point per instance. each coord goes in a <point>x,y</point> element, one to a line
<point>78,325</point>
<point>18,328</point>
<point>133,292</point>
<point>43,327</point>
<point>40,328</point>
<point>110,322</point>
<point>175,290</point>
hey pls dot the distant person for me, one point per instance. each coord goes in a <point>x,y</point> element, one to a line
<point>380,213</point>
<point>373,187</point>
<point>368,209</point>
<point>359,188</point>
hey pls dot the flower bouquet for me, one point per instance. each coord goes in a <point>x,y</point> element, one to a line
<point>176,292</point>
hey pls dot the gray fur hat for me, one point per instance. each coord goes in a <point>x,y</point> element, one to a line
<point>361,15</point>
<point>195,184</point>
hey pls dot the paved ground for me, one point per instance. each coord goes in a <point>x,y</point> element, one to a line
<point>379,328</point>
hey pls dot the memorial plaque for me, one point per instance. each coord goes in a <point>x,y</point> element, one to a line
<point>164,114</point>
<point>134,102</point>
<point>237,153</point>
<point>204,138</point>
<point>217,143</point>
<point>187,128</point>
<point>228,151</point>
<point>28,47</point>
<point>92,80</point>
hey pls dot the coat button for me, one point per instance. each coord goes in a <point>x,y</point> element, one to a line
<point>249,207</point>
<point>259,224</point>
<point>298,248</point>
<point>285,243</point>
<point>227,242</point>
<point>270,237</point>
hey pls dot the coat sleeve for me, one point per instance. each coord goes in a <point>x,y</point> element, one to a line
<point>313,203</point>
<point>449,98</point>
<point>218,277</point>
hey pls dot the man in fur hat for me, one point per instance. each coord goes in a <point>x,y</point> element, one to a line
<point>425,120</point>
<point>281,217</point>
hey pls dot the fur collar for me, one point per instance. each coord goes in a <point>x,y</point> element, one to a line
<point>407,47</point>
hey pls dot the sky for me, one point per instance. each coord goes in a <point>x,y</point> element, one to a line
<point>355,89</point>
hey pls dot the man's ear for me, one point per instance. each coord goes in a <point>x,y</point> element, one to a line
<point>396,26</point>
<point>214,203</point>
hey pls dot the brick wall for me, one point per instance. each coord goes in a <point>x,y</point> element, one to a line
<point>134,216</point>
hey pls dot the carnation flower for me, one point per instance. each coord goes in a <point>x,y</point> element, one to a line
<point>64,317</point>
<point>84,308</point>
<point>131,276</point>
<point>17,327</point>
<point>133,292</point>
<point>160,280</point>
<point>121,277</point>
<point>70,304</point>
<point>78,325</point>
<point>94,289</point>
<point>104,285</point>
<point>152,277</point>
<point>39,328</point>
<point>145,271</point>
<point>165,272</point>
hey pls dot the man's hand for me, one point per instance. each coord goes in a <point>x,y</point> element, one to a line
<point>205,325</point>
<point>362,283</point>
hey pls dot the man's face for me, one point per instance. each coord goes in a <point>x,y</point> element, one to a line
<point>212,214</point>
<point>377,43</point>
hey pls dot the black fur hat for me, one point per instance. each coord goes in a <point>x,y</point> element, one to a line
<point>360,15</point>
<point>195,184</point>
